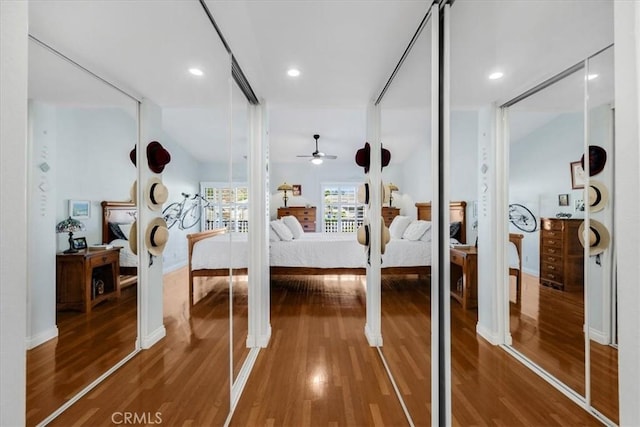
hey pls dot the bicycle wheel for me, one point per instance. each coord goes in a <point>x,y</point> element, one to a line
<point>171,214</point>
<point>522,218</point>
<point>191,217</point>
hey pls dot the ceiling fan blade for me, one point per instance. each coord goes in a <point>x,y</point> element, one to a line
<point>300,155</point>
<point>330,156</point>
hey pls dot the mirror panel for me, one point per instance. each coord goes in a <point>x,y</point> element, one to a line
<point>547,305</point>
<point>82,306</point>
<point>602,318</point>
<point>240,224</point>
<point>406,306</point>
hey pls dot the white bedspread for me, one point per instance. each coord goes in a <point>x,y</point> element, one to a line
<point>514,259</point>
<point>127,258</point>
<point>314,250</point>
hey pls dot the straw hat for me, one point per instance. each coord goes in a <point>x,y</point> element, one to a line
<point>133,238</point>
<point>156,194</point>
<point>364,193</point>
<point>364,235</point>
<point>385,236</point>
<point>598,237</point>
<point>156,236</point>
<point>598,196</point>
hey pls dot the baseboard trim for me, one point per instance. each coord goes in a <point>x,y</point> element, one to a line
<point>241,381</point>
<point>151,339</point>
<point>598,336</point>
<point>41,338</point>
<point>373,339</point>
<point>259,341</point>
<point>488,335</point>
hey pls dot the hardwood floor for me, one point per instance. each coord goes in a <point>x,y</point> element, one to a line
<point>86,346</point>
<point>489,387</point>
<point>318,368</point>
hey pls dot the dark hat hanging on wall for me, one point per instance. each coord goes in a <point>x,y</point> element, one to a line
<point>363,157</point>
<point>157,156</point>
<point>597,159</point>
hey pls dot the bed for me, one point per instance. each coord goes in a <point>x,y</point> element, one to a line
<point>117,218</point>
<point>215,252</point>
<point>515,260</point>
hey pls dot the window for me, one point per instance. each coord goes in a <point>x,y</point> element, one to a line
<point>341,212</point>
<point>227,206</point>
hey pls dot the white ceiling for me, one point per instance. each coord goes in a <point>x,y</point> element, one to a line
<point>345,50</point>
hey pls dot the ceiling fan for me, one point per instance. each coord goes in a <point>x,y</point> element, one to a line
<point>317,157</point>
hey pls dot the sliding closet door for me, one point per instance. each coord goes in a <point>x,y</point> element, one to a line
<point>406,126</point>
<point>80,133</point>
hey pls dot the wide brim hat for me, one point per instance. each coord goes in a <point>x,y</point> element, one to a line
<point>156,236</point>
<point>599,238</point>
<point>156,194</point>
<point>157,156</point>
<point>363,193</point>
<point>363,157</point>
<point>364,234</point>
<point>385,236</point>
<point>133,238</point>
<point>597,159</point>
<point>598,196</point>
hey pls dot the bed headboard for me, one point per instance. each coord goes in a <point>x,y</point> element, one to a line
<point>118,213</point>
<point>457,213</point>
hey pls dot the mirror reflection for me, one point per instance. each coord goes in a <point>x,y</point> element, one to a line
<point>547,290</point>
<point>406,297</point>
<point>82,304</point>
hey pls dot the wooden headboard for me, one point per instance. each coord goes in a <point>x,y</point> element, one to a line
<point>116,212</point>
<point>457,213</point>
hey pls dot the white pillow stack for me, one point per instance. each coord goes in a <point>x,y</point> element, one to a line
<point>281,230</point>
<point>126,229</point>
<point>398,226</point>
<point>294,226</point>
<point>273,237</point>
<point>416,230</point>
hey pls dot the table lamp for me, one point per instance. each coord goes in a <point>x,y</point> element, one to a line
<point>392,188</point>
<point>70,226</point>
<point>285,187</point>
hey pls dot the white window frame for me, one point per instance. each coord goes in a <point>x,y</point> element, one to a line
<point>234,206</point>
<point>327,185</point>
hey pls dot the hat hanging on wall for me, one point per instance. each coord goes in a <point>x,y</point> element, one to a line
<point>156,236</point>
<point>363,233</point>
<point>598,196</point>
<point>597,159</point>
<point>364,193</point>
<point>385,236</point>
<point>156,194</point>
<point>598,237</point>
<point>133,193</point>
<point>157,156</point>
<point>133,238</point>
<point>363,157</point>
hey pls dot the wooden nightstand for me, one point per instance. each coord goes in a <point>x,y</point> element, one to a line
<point>87,278</point>
<point>306,216</point>
<point>388,213</point>
<point>464,276</point>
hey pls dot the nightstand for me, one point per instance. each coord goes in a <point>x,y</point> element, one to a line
<point>464,276</point>
<point>87,278</point>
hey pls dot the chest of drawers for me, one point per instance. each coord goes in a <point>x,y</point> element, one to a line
<point>561,254</point>
<point>306,216</point>
<point>388,213</point>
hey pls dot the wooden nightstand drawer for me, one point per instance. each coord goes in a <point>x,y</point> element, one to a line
<point>457,258</point>
<point>103,258</point>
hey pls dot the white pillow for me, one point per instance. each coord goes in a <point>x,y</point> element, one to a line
<point>126,229</point>
<point>273,237</point>
<point>294,225</point>
<point>398,226</point>
<point>282,230</point>
<point>416,229</point>
<point>426,237</point>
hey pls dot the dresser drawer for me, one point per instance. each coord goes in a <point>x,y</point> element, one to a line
<point>551,234</point>
<point>103,258</point>
<point>457,258</point>
<point>308,226</point>
<point>552,276</point>
<point>551,250</point>
<point>554,259</point>
<point>548,267</point>
<point>551,225</point>
<point>556,243</point>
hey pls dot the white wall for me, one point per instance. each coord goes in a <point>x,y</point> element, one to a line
<point>13,228</point>
<point>464,165</point>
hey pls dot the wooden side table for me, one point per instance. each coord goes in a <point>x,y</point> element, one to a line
<point>464,277</point>
<point>87,278</point>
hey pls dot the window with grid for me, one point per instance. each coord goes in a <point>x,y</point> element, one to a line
<point>227,206</point>
<point>341,212</point>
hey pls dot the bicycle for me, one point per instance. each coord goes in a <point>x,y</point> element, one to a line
<point>183,215</point>
<point>522,218</point>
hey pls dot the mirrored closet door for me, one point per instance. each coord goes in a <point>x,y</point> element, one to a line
<point>406,116</point>
<point>82,294</point>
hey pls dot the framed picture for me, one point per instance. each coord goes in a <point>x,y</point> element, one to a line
<point>577,175</point>
<point>563,200</point>
<point>79,209</point>
<point>80,243</point>
<point>578,205</point>
<point>297,190</point>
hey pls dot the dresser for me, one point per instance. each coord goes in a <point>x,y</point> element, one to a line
<point>306,216</point>
<point>388,213</point>
<point>86,278</point>
<point>561,254</point>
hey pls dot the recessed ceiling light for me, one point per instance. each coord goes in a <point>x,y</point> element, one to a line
<point>196,72</point>
<point>495,76</point>
<point>592,76</point>
<point>316,161</point>
<point>293,72</point>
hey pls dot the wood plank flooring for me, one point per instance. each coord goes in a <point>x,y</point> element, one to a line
<point>318,368</point>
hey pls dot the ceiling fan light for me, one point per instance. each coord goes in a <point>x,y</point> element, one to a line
<point>316,161</point>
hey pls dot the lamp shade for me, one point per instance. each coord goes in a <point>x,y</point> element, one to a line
<point>393,187</point>
<point>285,187</point>
<point>69,225</point>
